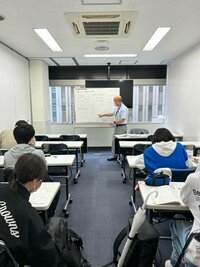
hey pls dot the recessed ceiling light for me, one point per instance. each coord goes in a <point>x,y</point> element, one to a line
<point>156,38</point>
<point>110,55</point>
<point>102,48</point>
<point>48,39</point>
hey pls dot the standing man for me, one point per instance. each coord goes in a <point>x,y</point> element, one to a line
<point>120,122</point>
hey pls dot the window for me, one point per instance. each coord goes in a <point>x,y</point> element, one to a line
<point>148,103</point>
<point>61,104</point>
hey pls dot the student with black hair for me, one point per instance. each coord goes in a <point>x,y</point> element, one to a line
<point>163,153</point>
<point>7,139</point>
<point>20,225</point>
<point>23,134</point>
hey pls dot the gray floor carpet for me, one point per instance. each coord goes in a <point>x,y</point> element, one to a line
<point>100,208</point>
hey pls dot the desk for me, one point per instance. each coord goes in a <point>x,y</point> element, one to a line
<point>57,161</point>
<point>130,144</point>
<point>151,205</point>
<point>137,137</point>
<point>70,144</point>
<point>43,197</point>
<point>56,137</point>
<point>62,161</point>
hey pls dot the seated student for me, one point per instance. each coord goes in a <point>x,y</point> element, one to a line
<point>7,139</point>
<point>20,225</point>
<point>181,229</point>
<point>23,134</point>
<point>164,152</point>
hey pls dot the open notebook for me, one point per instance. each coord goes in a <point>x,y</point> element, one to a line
<point>168,194</point>
<point>41,196</point>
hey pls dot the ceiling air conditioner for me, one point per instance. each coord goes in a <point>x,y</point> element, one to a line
<point>101,24</point>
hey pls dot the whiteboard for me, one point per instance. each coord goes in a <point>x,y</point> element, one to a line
<point>89,102</point>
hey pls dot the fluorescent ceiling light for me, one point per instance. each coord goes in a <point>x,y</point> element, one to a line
<point>48,39</point>
<point>156,38</point>
<point>110,55</point>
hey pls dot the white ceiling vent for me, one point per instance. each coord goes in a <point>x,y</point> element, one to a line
<point>101,24</point>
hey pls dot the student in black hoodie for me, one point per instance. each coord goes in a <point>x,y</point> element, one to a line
<point>20,225</point>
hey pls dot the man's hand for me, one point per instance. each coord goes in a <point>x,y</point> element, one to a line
<point>100,115</point>
<point>111,123</point>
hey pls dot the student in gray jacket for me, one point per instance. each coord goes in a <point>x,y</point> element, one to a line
<point>23,135</point>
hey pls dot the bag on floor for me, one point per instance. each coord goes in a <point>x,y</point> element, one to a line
<point>143,247</point>
<point>70,244</point>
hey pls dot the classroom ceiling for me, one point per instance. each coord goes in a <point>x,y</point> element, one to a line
<point>21,16</point>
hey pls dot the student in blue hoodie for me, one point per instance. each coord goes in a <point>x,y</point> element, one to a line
<point>163,153</point>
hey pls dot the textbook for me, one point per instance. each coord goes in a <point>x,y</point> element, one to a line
<point>168,194</point>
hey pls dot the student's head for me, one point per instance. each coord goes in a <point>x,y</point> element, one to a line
<point>30,170</point>
<point>117,100</point>
<point>20,122</point>
<point>162,134</point>
<point>23,133</point>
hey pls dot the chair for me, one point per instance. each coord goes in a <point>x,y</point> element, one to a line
<point>139,149</point>
<point>7,174</point>
<point>55,149</point>
<point>41,138</point>
<point>3,151</point>
<point>72,137</point>
<point>6,257</point>
<point>137,173</point>
<point>150,137</point>
<point>194,235</point>
<point>180,175</point>
<point>138,131</point>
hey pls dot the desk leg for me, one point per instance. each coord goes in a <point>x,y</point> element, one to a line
<point>78,172</point>
<point>123,166</point>
<point>132,202</point>
<point>68,196</point>
<point>82,156</point>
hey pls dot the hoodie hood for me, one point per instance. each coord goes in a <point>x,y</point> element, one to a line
<point>165,148</point>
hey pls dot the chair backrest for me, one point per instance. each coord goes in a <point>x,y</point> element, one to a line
<point>138,131</point>
<point>139,149</point>
<point>7,174</point>
<point>6,257</point>
<point>55,149</point>
<point>72,137</point>
<point>41,138</point>
<point>150,137</point>
<point>3,151</point>
<point>180,175</point>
